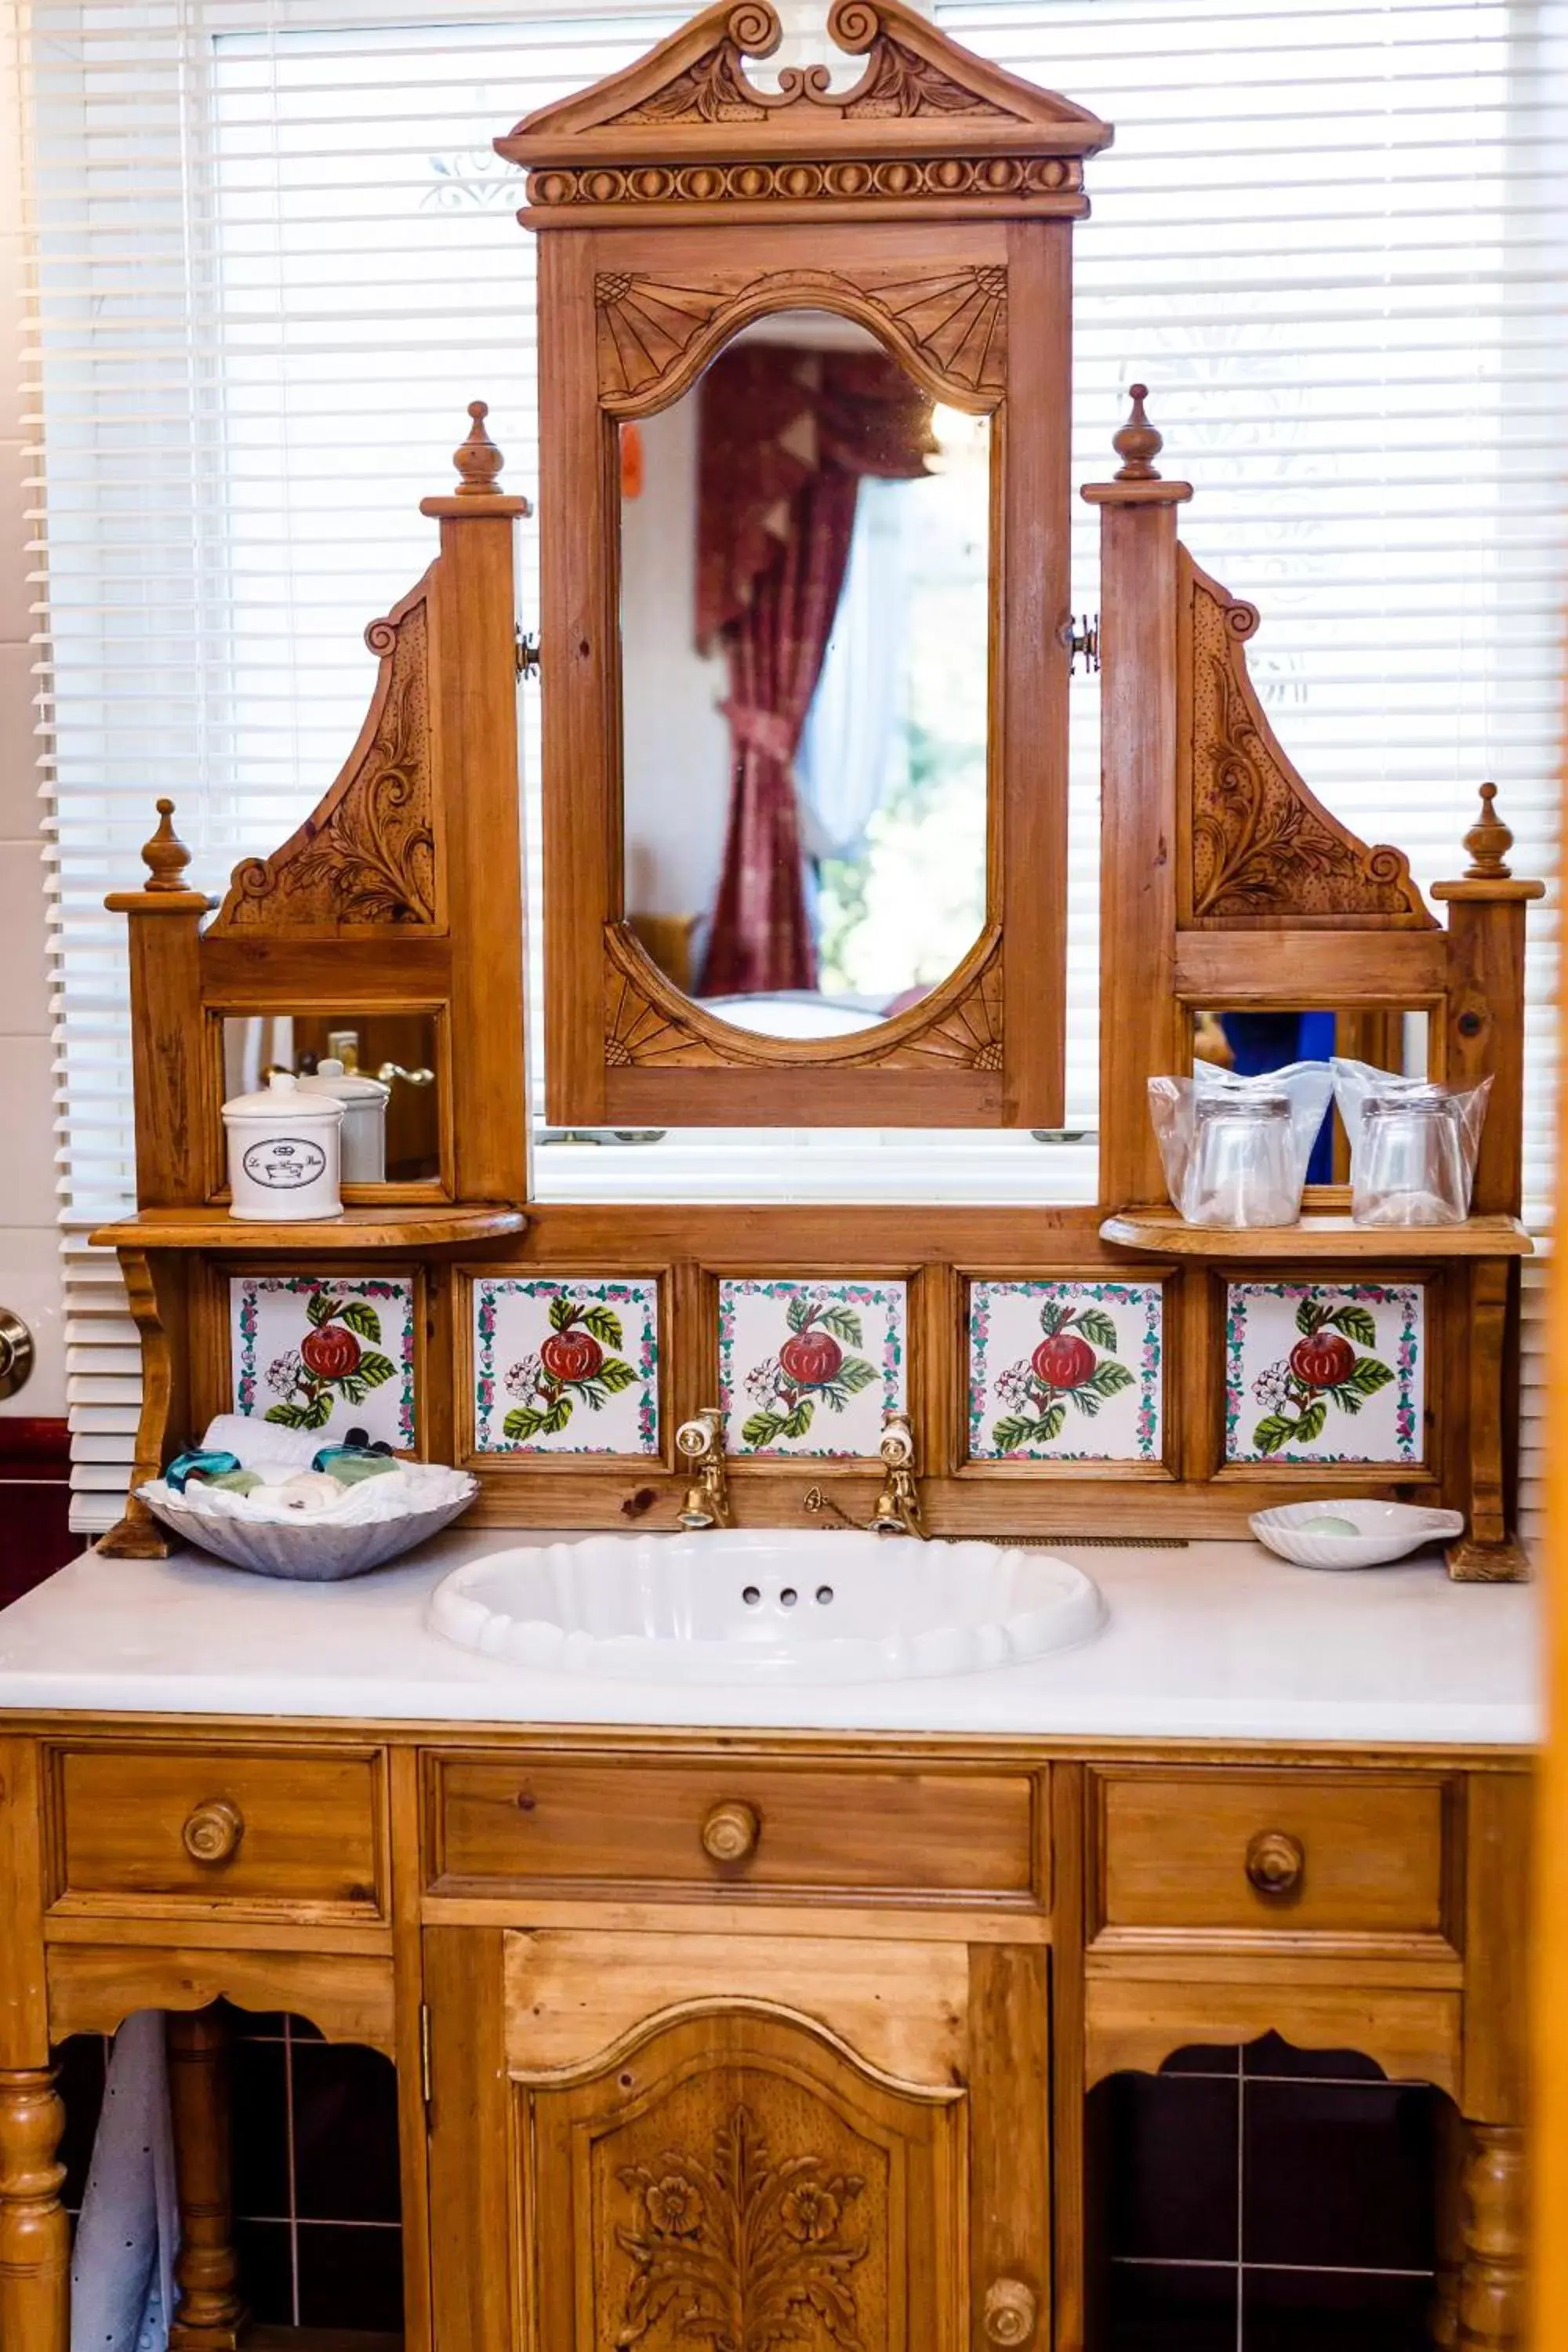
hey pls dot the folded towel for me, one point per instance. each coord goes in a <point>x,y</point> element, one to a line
<point>256,1441</point>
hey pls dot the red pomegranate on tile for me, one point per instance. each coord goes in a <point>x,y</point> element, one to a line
<point>330,1351</point>
<point>571,1355</point>
<point>810,1359</point>
<point>1064,1360</point>
<point>1323,1359</point>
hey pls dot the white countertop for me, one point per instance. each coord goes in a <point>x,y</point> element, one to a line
<point>1209,1640</point>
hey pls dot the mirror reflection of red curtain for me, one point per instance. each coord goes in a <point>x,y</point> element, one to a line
<point>784,435</point>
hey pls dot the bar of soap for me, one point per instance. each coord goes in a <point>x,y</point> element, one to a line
<point>310,1490</point>
<point>1328,1524</point>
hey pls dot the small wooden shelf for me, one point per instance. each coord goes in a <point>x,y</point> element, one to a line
<point>401,1228</point>
<point>1321,1233</point>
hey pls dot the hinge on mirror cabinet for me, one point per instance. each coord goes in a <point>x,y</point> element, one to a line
<point>527,654</point>
<point>424,2054</point>
<point>1082,637</point>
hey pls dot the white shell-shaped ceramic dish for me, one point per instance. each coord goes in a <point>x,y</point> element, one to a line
<point>319,1547</point>
<point>764,1605</point>
<point>1384,1532</point>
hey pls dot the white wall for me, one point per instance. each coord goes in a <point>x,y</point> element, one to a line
<point>29,1250</point>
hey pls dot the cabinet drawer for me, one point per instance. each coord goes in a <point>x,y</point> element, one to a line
<point>535,1823</point>
<point>1298,1852</point>
<point>300,1829</point>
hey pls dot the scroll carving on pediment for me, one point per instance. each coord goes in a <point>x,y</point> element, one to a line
<point>642,1032</point>
<point>1263,848</point>
<point>366,858</point>
<point>655,333</point>
<point>696,82</point>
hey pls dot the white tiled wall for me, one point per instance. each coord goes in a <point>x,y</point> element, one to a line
<point>29,1251</point>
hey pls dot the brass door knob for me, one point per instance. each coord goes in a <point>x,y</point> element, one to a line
<point>1011,2312</point>
<point>731,1832</point>
<point>1275,1861</point>
<point>214,1830</point>
<point>16,1353</point>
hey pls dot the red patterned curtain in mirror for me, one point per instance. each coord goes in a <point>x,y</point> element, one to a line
<point>784,435</point>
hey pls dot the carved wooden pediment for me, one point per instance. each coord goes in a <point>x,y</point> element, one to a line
<point>367,858</point>
<point>689,108</point>
<point>1261,849</point>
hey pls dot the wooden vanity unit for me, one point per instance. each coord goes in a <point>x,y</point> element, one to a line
<point>831,1999</point>
<point>755,2036</point>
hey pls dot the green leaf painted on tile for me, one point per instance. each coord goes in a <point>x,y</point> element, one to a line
<point>563,1312</point>
<point>1368,1374</point>
<point>605,1325</point>
<point>373,1369</point>
<point>615,1375</point>
<point>844,1324</point>
<point>801,1310</point>
<point>1356,1323</point>
<point>762,1428</point>
<point>1097,1326</point>
<point>522,1421</point>
<point>1274,1431</point>
<point>360,1317</point>
<point>1313,1421</point>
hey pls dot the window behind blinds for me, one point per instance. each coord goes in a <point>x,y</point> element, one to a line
<point>275,257</point>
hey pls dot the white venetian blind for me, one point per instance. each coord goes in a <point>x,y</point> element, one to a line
<point>276,257</point>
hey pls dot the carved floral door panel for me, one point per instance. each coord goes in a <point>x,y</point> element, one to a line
<point>741,2141</point>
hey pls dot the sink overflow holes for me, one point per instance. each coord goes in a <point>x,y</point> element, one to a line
<point>752,1595</point>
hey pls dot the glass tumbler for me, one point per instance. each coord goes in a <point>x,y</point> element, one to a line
<point>1409,1162</point>
<point>1241,1172</point>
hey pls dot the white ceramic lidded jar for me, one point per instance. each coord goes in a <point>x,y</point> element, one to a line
<point>284,1146</point>
<point>364,1104</point>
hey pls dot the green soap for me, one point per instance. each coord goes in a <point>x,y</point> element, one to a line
<point>1330,1524</point>
<point>349,1470</point>
<point>234,1482</point>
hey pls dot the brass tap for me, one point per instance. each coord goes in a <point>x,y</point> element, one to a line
<point>898,1507</point>
<point>706,1503</point>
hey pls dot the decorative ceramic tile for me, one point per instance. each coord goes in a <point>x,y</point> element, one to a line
<point>809,1367</point>
<point>1066,1371</point>
<point>320,1352</point>
<point>566,1365</point>
<point>1318,1371</point>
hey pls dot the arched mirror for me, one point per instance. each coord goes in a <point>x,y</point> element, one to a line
<point>805,626</point>
<point>804,528</point>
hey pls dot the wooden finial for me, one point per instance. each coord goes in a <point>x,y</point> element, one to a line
<point>478,461</point>
<point>166,856</point>
<point>1488,842</point>
<point>1137,445</point>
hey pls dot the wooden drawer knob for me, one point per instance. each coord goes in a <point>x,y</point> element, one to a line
<point>1275,1862</point>
<point>731,1832</point>
<point>1011,2312</point>
<point>214,1831</point>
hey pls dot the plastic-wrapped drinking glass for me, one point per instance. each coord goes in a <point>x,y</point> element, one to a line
<point>1241,1170</point>
<point>1409,1163</point>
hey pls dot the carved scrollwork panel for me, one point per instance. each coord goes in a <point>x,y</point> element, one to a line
<point>745,2187</point>
<point>1262,846</point>
<point>648,1025</point>
<point>655,333</point>
<point>367,858</point>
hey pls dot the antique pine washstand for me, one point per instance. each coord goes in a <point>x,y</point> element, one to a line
<point>895,1947</point>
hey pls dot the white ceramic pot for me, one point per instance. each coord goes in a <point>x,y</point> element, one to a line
<point>284,1149</point>
<point>365,1118</point>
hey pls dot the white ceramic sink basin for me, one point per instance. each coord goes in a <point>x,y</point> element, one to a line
<point>757,1604</point>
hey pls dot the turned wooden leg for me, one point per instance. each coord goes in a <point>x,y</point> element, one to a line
<point>1491,2280</point>
<point>35,2234</point>
<point>208,2314</point>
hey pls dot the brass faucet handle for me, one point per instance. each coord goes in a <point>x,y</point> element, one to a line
<point>702,1437</point>
<point>898,1444</point>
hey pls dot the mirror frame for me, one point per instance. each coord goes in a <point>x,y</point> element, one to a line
<point>933,202</point>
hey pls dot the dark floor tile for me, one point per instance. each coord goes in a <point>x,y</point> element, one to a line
<point>1195,2060</point>
<point>349,2278</point>
<point>1164,2307</point>
<point>1294,2311</point>
<point>81,2062</point>
<point>345,2133</point>
<point>1272,2056</point>
<point>1340,2176</point>
<point>1170,2154</point>
<point>266,2272</point>
<point>259,2131</point>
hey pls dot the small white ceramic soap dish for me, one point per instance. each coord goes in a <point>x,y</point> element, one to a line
<point>1353,1535</point>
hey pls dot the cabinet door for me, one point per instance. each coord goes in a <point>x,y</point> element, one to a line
<point>741,2141</point>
